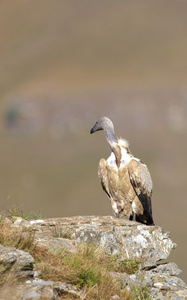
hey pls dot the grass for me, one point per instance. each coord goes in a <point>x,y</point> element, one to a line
<point>22,239</point>
<point>14,211</point>
<point>58,232</point>
<point>141,293</point>
<point>124,266</point>
<point>89,269</point>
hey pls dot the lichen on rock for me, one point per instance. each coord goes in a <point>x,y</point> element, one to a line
<point>121,239</point>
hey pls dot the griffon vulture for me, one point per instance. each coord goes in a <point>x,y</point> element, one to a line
<point>125,179</point>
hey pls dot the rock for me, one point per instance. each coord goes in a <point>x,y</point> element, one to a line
<point>130,239</point>
<point>127,240</point>
<point>115,297</point>
<point>17,261</point>
<point>31,295</point>
<point>148,243</point>
<point>44,288</point>
<point>169,269</point>
<point>62,287</point>
<point>36,289</point>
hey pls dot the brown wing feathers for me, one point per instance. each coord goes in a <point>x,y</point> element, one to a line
<point>125,179</point>
<point>141,181</point>
<point>103,177</point>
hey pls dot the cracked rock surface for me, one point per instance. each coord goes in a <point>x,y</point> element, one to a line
<point>131,240</point>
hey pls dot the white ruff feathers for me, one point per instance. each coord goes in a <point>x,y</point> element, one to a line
<point>123,143</point>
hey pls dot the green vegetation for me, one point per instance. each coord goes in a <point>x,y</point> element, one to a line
<point>89,269</point>
<point>59,233</point>
<point>141,293</point>
<point>21,239</point>
<point>14,211</point>
<point>125,265</point>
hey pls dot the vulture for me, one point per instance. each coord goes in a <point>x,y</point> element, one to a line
<point>125,179</point>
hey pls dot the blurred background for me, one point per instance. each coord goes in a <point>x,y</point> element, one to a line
<point>64,64</point>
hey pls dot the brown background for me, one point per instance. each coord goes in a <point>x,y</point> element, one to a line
<point>64,64</point>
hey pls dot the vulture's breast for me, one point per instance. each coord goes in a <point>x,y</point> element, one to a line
<point>125,158</point>
<point>118,178</point>
<point>111,161</point>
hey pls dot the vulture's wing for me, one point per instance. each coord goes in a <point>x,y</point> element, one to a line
<point>103,177</point>
<point>141,181</point>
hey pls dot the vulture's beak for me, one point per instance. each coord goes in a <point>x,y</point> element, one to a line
<point>96,127</point>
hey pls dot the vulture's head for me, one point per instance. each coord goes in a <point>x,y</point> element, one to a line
<point>105,124</point>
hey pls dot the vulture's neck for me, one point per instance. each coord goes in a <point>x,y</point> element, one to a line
<point>111,139</point>
<point>116,149</point>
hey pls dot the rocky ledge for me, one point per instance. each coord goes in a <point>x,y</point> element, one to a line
<point>126,240</point>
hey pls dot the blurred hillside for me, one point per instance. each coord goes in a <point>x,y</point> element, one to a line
<point>64,64</point>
